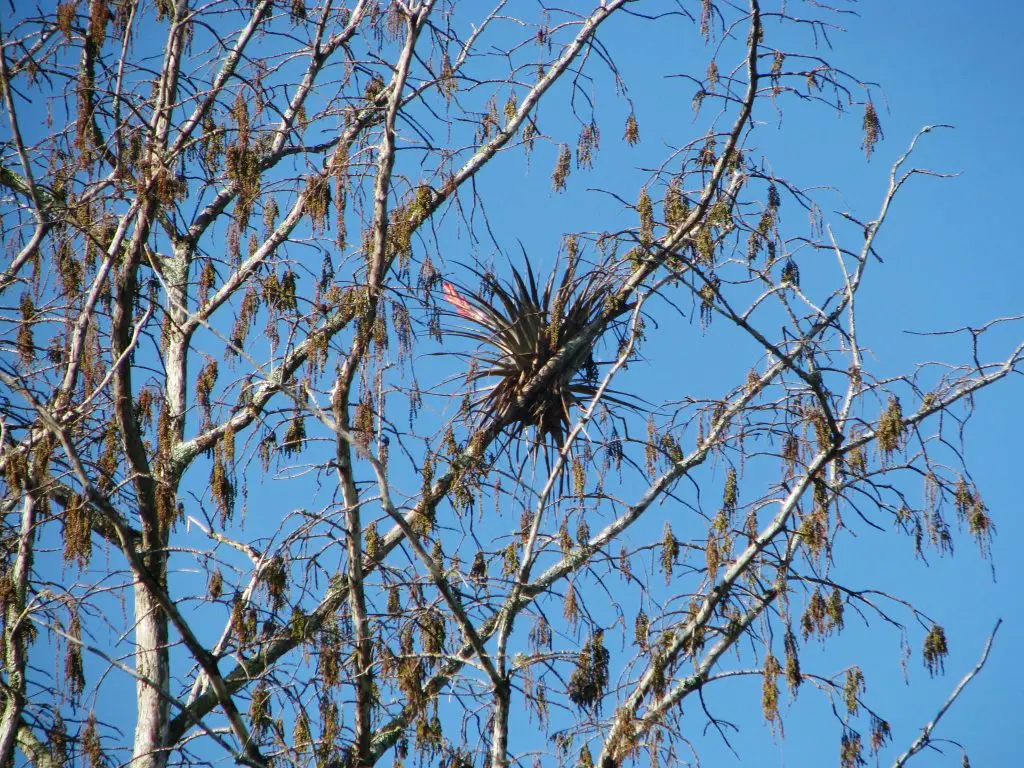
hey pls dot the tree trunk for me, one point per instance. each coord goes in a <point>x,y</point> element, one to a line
<point>13,635</point>
<point>151,662</point>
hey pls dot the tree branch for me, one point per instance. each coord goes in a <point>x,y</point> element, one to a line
<point>924,739</point>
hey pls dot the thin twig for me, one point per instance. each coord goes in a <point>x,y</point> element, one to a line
<point>924,739</point>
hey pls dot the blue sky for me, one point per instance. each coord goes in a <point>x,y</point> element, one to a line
<point>951,245</point>
<point>951,259</point>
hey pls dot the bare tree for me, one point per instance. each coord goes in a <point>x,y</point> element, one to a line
<point>303,450</point>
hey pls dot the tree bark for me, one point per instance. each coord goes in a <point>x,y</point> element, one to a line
<point>14,641</point>
<point>151,730</point>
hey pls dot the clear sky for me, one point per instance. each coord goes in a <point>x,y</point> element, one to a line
<point>952,257</point>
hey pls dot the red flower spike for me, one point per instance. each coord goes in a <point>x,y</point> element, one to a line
<point>467,310</point>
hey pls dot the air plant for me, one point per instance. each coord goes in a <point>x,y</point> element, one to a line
<point>521,328</point>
